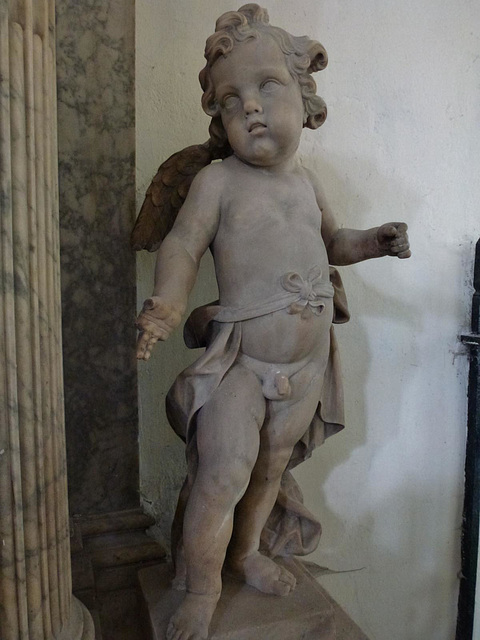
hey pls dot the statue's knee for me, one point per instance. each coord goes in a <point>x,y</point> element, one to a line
<point>228,483</point>
<point>274,463</point>
<point>237,475</point>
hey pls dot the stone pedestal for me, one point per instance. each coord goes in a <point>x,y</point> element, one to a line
<point>107,553</point>
<point>243,613</point>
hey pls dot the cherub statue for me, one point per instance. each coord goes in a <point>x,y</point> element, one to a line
<point>266,390</point>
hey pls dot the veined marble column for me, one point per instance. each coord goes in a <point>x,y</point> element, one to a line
<point>96,140</point>
<point>36,601</point>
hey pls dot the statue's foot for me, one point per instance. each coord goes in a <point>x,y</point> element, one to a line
<point>264,574</point>
<point>192,618</point>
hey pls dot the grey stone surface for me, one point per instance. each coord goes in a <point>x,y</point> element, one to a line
<point>96,135</point>
<point>243,613</point>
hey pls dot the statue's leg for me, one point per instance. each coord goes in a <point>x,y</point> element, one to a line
<point>285,425</point>
<point>228,441</point>
<point>178,556</point>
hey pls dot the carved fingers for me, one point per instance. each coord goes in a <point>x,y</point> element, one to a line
<point>392,239</point>
<point>156,321</point>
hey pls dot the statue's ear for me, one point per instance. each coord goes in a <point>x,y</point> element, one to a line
<point>212,109</point>
<point>209,104</point>
<point>318,57</point>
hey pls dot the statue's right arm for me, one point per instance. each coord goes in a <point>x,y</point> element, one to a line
<point>178,260</point>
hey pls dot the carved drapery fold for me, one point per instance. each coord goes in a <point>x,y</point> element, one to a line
<point>35,576</point>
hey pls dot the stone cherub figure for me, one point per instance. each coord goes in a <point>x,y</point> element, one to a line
<point>266,390</point>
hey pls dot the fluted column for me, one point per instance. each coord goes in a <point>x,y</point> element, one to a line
<point>36,602</point>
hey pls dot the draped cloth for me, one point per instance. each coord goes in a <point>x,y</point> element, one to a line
<point>291,529</point>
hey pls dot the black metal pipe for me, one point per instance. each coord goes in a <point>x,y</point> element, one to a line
<point>471,508</point>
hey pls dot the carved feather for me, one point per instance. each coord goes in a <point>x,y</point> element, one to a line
<point>167,192</point>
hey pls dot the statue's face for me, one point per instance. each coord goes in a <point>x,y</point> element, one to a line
<point>260,103</point>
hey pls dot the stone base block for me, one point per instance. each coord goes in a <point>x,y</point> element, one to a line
<point>108,550</point>
<point>80,626</point>
<point>244,613</point>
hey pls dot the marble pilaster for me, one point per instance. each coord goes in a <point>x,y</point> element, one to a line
<point>95,71</point>
<point>36,600</point>
<point>96,139</point>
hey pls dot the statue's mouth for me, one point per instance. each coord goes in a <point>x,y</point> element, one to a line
<point>255,126</point>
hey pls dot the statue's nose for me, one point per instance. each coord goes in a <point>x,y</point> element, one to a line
<point>252,105</point>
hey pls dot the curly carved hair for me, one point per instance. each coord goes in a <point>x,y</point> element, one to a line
<point>302,56</point>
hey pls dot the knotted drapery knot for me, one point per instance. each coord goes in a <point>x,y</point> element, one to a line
<point>311,291</point>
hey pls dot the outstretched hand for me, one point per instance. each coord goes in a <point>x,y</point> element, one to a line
<point>156,321</point>
<point>392,240</point>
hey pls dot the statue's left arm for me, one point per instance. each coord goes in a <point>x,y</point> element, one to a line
<point>348,246</point>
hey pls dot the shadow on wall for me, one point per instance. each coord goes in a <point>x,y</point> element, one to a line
<point>385,522</point>
<point>397,564</point>
<point>379,516</point>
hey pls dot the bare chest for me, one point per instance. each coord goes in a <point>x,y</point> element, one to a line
<point>256,210</point>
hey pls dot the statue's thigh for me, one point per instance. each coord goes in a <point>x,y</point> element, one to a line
<point>228,424</point>
<point>288,420</point>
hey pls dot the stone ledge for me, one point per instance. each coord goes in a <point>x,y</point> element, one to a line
<point>111,545</point>
<point>243,613</point>
<point>108,550</point>
<point>127,520</point>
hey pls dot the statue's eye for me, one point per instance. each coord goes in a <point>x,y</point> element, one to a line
<point>270,85</point>
<point>230,101</point>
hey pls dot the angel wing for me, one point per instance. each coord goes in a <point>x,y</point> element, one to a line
<point>167,192</point>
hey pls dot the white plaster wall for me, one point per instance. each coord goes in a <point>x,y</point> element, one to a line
<point>400,143</point>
